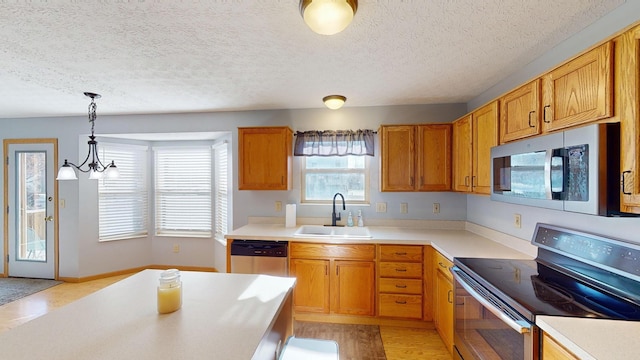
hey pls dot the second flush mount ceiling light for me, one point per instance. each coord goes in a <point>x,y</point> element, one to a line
<point>328,17</point>
<point>334,102</point>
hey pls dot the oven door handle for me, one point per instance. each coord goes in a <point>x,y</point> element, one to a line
<point>511,318</point>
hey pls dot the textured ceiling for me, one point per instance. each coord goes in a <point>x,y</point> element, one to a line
<point>159,56</point>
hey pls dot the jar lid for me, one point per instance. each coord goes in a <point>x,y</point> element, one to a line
<point>169,275</point>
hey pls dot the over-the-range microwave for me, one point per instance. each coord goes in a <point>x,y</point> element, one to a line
<point>574,170</point>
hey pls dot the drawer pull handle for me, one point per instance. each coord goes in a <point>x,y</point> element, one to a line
<point>401,286</point>
<point>401,270</point>
<point>442,265</point>
<point>401,302</point>
<point>401,253</point>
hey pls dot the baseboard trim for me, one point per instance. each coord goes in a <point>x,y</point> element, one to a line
<point>135,270</point>
<point>363,320</point>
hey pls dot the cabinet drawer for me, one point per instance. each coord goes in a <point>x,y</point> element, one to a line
<point>400,253</point>
<point>400,286</point>
<point>443,264</point>
<point>403,306</point>
<point>400,270</point>
<point>334,251</point>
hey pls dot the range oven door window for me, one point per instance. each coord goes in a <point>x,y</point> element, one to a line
<point>487,329</point>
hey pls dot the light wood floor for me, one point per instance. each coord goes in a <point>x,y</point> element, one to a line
<point>399,343</point>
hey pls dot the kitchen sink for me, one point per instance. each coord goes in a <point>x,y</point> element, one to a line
<point>320,231</point>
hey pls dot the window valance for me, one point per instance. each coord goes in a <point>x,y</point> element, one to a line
<point>334,143</point>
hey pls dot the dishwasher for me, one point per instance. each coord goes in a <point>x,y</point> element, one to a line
<point>259,257</point>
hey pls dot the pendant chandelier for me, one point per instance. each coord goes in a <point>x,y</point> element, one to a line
<point>328,17</point>
<point>95,168</point>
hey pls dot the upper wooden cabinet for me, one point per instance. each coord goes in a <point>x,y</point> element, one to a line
<point>265,156</point>
<point>579,91</point>
<point>473,137</point>
<point>415,157</point>
<point>485,136</point>
<point>520,113</point>
<point>628,96</point>
<point>462,154</point>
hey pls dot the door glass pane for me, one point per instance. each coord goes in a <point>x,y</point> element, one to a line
<point>31,200</point>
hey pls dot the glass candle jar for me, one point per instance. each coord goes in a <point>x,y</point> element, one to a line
<point>169,291</point>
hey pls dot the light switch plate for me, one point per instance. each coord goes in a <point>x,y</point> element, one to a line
<point>404,208</point>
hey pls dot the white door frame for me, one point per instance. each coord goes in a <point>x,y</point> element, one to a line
<point>52,193</point>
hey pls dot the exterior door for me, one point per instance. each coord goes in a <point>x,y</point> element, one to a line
<point>31,202</point>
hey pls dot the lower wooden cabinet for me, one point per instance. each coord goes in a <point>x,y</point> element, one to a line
<point>553,350</point>
<point>312,285</point>
<point>333,278</point>
<point>443,299</point>
<point>400,281</point>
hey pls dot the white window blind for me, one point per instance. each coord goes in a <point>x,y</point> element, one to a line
<point>122,202</point>
<point>183,191</point>
<point>222,189</point>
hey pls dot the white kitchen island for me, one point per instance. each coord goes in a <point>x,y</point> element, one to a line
<point>223,316</point>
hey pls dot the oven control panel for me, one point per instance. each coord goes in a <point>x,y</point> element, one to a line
<point>613,255</point>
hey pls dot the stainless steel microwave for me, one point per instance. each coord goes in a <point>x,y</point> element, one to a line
<point>574,170</point>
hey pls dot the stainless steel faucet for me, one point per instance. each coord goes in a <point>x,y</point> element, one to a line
<point>336,217</point>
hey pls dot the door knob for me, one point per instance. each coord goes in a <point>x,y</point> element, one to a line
<point>48,218</point>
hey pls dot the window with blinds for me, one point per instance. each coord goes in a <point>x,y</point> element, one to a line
<point>122,202</point>
<point>221,189</point>
<point>183,191</point>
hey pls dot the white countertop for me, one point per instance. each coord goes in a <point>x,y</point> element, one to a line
<point>451,243</point>
<point>594,339</point>
<point>223,316</point>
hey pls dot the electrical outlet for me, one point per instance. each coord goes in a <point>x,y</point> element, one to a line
<point>517,221</point>
<point>278,206</point>
<point>436,208</point>
<point>381,207</point>
<point>404,208</point>
<point>176,248</point>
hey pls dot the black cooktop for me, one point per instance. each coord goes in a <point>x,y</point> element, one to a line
<point>533,288</point>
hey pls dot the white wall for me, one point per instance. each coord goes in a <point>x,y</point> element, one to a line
<point>82,255</point>
<point>499,216</point>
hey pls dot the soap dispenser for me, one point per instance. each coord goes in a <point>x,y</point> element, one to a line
<point>360,221</point>
<point>350,220</point>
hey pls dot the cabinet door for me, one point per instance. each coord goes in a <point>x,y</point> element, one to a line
<point>462,151</point>
<point>579,91</point>
<point>485,136</point>
<point>444,309</point>
<point>353,287</point>
<point>311,293</point>
<point>397,159</point>
<point>520,113</point>
<point>265,156</point>
<point>629,96</point>
<point>552,350</point>
<point>434,157</point>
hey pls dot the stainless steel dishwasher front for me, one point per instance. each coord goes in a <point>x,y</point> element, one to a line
<point>267,257</point>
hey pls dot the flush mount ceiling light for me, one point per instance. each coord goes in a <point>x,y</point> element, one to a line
<point>95,168</point>
<point>328,17</point>
<point>334,102</point>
